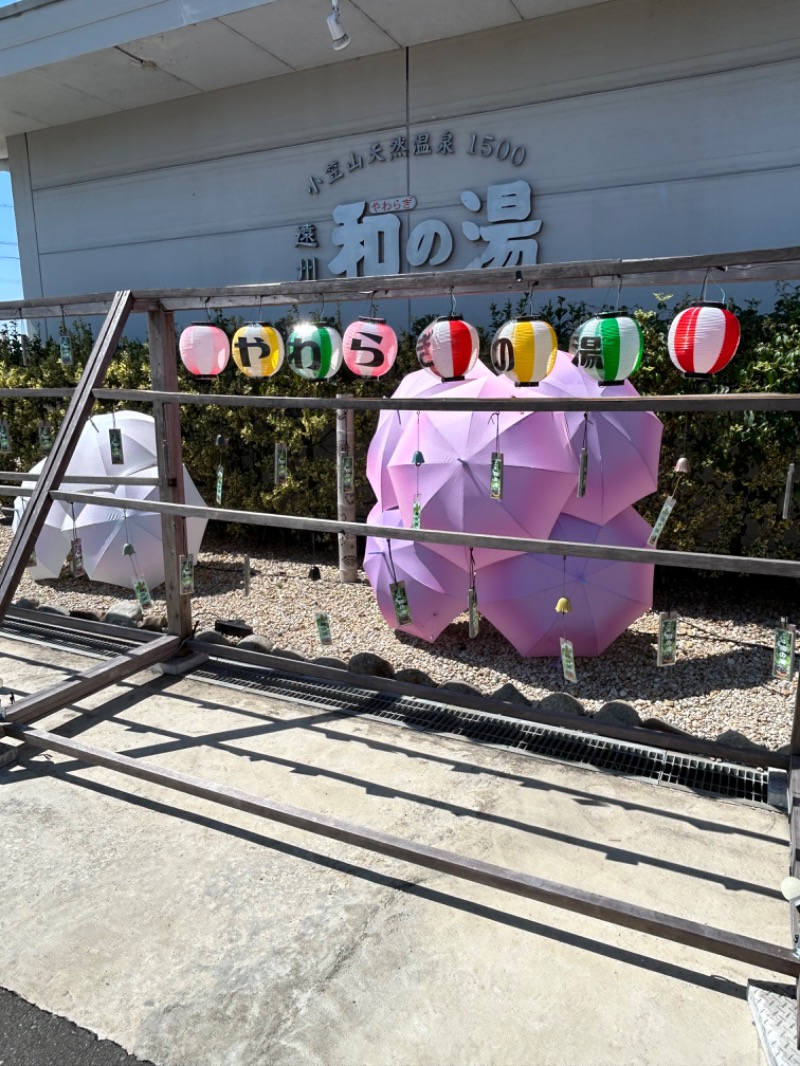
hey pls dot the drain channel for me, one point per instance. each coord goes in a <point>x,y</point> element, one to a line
<point>744,784</point>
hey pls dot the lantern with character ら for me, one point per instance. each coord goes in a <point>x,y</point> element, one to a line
<point>610,347</point>
<point>205,349</point>
<point>524,349</point>
<point>448,347</point>
<point>258,350</point>
<point>370,347</point>
<point>703,339</point>
<point>314,351</point>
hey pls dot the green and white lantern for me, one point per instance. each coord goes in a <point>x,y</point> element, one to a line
<point>314,351</point>
<point>610,347</point>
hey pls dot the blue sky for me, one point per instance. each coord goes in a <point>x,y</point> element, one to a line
<point>10,283</point>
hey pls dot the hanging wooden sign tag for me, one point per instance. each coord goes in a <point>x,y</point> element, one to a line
<point>76,565</point>
<point>323,622</point>
<point>661,521</point>
<point>281,463</point>
<point>115,446</point>
<point>142,593</point>
<point>667,638</point>
<point>784,652</point>
<point>5,437</point>
<point>474,617</point>
<point>402,611</point>
<point>348,473</point>
<point>416,514</point>
<point>187,575</point>
<point>496,479</point>
<point>584,466</point>
<point>65,349</point>
<point>568,660</point>
<point>45,437</point>
<point>220,477</point>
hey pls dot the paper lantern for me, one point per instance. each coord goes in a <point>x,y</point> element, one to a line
<point>610,347</point>
<point>369,347</point>
<point>524,349</point>
<point>448,347</point>
<point>703,339</point>
<point>258,350</point>
<point>205,349</point>
<point>314,351</point>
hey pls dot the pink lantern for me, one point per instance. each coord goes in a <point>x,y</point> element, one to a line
<point>370,347</point>
<point>448,348</point>
<point>703,339</point>
<point>205,349</point>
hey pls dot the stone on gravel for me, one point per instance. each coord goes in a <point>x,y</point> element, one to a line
<point>330,661</point>
<point>618,713</point>
<point>732,738</point>
<point>49,608</point>
<point>561,703</point>
<point>256,642</point>
<point>154,622</point>
<point>665,727</point>
<point>211,636</point>
<point>289,653</point>
<point>27,603</point>
<point>509,693</point>
<point>366,662</point>
<point>88,616</point>
<point>413,676</point>
<point>124,613</point>
<point>460,686</point>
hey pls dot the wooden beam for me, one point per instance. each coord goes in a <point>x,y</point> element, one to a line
<point>603,908</point>
<point>764,264</point>
<point>57,697</point>
<point>66,439</point>
<point>164,375</point>
<point>524,401</point>
<point>81,479</point>
<point>684,560</point>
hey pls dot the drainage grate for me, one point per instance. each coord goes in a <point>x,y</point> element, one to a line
<point>745,784</point>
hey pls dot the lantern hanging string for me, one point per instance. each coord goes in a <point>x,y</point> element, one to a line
<point>373,307</point>
<point>495,417</point>
<point>452,301</point>
<point>63,321</point>
<point>705,283</point>
<point>208,310</point>
<point>619,291</point>
<point>529,310</point>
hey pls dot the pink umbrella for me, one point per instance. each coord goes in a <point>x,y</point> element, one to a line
<point>540,469</point>
<point>436,588</point>
<point>623,448</point>
<point>519,595</point>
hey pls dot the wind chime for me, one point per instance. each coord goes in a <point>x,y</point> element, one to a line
<point>140,587</point>
<point>76,554</point>
<point>397,590</point>
<point>564,607</point>
<point>418,459</point>
<point>496,466</point>
<point>115,442</point>
<point>64,342</point>
<point>474,618</point>
<point>45,433</point>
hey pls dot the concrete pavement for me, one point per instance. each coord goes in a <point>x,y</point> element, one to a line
<point>194,935</point>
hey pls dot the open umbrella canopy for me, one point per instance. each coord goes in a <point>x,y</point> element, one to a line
<point>55,538</point>
<point>453,482</point>
<point>437,589</point>
<point>104,532</point>
<point>92,454</point>
<point>518,595</point>
<point>623,448</point>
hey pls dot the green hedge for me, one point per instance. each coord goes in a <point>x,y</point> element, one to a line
<point>731,503</point>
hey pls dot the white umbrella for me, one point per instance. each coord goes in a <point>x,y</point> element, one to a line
<point>104,532</point>
<point>93,452</point>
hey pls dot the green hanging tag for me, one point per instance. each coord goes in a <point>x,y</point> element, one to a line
<point>348,473</point>
<point>661,521</point>
<point>45,438</point>
<point>220,476</point>
<point>783,653</point>
<point>416,514</point>
<point>667,638</point>
<point>142,593</point>
<point>187,575</point>
<point>115,445</point>
<point>281,463</point>
<point>582,473</point>
<point>65,349</point>
<point>496,480</point>
<point>568,660</point>
<point>474,618</point>
<point>402,612</point>
<point>77,566</point>
<point>323,621</point>
<point>5,437</point>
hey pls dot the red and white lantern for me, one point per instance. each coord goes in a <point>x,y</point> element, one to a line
<point>205,349</point>
<point>449,348</point>
<point>370,347</point>
<point>703,339</point>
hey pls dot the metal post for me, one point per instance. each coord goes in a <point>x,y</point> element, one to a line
<point>346,491</point>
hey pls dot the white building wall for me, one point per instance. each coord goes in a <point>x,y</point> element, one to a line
<point>650,127</point>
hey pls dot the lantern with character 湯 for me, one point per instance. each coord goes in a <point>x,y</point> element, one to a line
<point>610,347</point>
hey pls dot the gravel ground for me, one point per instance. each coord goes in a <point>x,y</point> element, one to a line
<point>720,682</point>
